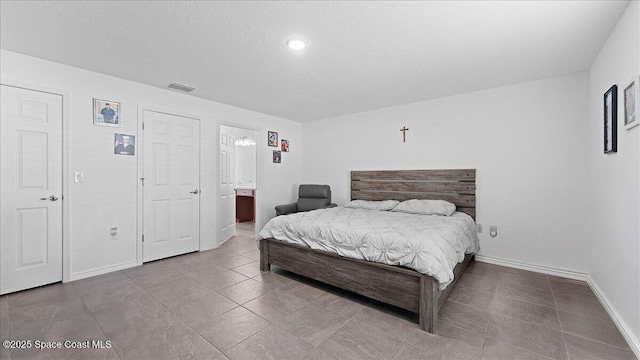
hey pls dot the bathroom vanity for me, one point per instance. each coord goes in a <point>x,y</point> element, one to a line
<point>245,204</point>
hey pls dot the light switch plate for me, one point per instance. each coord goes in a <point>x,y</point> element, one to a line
<point>78,177</point>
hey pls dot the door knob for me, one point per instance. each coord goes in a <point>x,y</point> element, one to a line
<point>195,191</point>
<point>50,198</point>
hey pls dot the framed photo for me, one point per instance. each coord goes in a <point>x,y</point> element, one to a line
<point>611,120</point>
<point>106,113</point>
<point>632,103</point>
<point>277,156</point>
<point>124,144</point>
<point>273,138</point>
<point>284,145</point>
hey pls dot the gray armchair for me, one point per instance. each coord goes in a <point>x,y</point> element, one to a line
<point>310,197</point>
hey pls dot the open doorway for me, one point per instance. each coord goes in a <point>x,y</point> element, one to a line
<point>238,182</point>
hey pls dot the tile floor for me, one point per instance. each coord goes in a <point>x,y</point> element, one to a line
<point>217,305</point>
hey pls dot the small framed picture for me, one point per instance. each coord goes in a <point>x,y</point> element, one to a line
<point>106,113</point>
<point>273,138</point>
<point>632,103</point>
<point>284,145</point>
<point>277,156</point>
<point>124,144</point>
<point>611,120</point>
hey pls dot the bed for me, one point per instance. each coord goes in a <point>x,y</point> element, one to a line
<point>395,285</point>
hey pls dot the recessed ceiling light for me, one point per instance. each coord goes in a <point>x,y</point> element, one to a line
<point>296,44</point>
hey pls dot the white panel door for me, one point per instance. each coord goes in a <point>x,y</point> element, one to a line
<point>31,189</point>
<point>226,188</point>
<point>171,214</point>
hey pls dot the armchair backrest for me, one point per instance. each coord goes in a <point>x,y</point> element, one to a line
<point>312,197</point>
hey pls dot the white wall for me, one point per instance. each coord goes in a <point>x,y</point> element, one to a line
<point>285,177</point>
<point>246,164</point>
<point>614,225</point>
<point>108,196</point>
<point>527,142</point>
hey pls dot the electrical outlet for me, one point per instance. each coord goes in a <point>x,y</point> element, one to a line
<point>113,232</point>
<point>479,228</point>
<point>493,230</point>
<point>78,177</point>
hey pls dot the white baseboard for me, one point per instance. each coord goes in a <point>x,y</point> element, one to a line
<point>568,274</point>
<point>207,248</point>
<point>102,270</point>
<point>634,344</point>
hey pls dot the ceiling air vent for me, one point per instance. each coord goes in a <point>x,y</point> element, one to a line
<point>181,87</point>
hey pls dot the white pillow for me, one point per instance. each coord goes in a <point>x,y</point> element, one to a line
<point>385,205</point>
<point>426,207</point>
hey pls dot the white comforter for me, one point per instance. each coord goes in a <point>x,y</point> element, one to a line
<point>429,244</point>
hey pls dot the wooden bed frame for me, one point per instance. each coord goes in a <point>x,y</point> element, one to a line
<point>395,285</point>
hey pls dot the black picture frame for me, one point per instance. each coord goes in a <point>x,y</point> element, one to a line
<point>611,120</point>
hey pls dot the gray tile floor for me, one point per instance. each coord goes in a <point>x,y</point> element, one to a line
<point>217,305</point>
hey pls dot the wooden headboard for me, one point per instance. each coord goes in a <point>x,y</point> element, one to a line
<point>456,186</point>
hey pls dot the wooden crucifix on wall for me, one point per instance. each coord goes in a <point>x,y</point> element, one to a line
<point>404,133</point>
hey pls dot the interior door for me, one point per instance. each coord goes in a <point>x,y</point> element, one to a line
<point>171,190</point>
<point>227,213</point>
<point>31,189</point>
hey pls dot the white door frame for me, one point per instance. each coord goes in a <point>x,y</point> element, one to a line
<point>66,175</point>
<point>259,182</point>
<point>141,155</point>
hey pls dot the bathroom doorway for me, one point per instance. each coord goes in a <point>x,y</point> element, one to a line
<point>237,186</point>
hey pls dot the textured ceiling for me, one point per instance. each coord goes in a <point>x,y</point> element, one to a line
<point>361,55</point>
